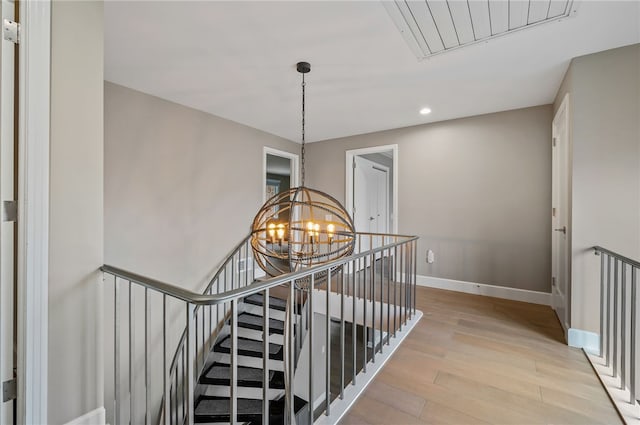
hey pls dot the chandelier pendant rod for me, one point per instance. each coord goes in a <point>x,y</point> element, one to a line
<point>303,135</point>
<point>303,68</point>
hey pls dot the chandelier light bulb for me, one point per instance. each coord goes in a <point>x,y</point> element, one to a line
<point>272,231</point>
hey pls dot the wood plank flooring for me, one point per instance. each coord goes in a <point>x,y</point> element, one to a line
<point>482,360</point>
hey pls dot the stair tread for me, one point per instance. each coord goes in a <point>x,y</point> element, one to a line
<point>216,409</point>
<point>220,406</point>
<point>250,347</point>
<point>253,321</point>
<point>223,372</point>
<point>219,373</point>
<point>275,303</point>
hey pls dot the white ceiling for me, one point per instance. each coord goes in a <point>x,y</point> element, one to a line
<point>237,60</point>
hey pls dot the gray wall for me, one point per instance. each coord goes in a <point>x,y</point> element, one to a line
<point>604,91</point>
<point>181,186</point>
<point>76,210</point>
<point>181,190</point>
<point>476,190</point>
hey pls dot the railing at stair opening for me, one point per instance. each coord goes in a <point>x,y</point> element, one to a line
<point>618,317</point>
<point>162,334</point>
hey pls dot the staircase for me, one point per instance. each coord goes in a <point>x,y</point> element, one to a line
<point>213,388</point>
<point>171,357</point>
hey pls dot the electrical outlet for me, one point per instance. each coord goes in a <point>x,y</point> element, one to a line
<point>430,256</point>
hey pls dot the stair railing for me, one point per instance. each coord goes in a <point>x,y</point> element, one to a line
<point>378,283</point>
<point>618,319</point>
<point>237,270</point>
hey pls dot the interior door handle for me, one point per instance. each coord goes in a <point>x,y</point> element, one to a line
<point>563,229</point>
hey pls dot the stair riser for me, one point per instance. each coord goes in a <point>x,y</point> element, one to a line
<point>257,310</point>
<point>276,303</point>
<point>257,335</point>
<point>255,326</point>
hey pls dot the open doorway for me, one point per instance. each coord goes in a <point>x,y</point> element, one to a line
<point>280,172</point>
<point>372,188</point>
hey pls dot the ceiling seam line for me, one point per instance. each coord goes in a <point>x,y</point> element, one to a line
<point>489,10</point>
<point>419,29</point>
<point>548,10</point>
<point>455,29</point>
<point>444,46</point>
<point>473,29</point>
<point>528,11</point>
<point>411,30</point>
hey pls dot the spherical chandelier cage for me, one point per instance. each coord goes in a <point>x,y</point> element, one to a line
<point>300,228</point>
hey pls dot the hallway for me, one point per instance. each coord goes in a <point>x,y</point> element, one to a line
<point>478,360</point>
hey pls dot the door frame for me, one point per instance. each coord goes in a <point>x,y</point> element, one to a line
<point>295,167</point>
<point>8,229</point>
<point>565,169</point>
<point>350,154</point>
<point>33,210</point>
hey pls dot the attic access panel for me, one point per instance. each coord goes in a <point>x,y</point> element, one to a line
<point>431,27</point>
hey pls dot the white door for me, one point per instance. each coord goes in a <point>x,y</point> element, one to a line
<point>7,225</point>
<point>560,261</point>
<point>370,199</point>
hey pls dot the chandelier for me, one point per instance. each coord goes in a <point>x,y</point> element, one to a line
<point>301,227</point>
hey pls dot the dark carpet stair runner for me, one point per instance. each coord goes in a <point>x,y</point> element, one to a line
<point>210,409</point>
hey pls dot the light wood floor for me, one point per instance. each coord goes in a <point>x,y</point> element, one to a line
<point>479,360</point>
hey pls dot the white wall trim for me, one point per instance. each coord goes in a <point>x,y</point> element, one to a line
<point>561,302</point>
<point>588,341</point>
<point>95,417</point>
<point>495,291</point>
<point>348,198</point>
<point>295,166</point>
<point>33,210</point>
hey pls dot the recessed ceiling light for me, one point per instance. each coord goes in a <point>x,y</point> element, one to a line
<point>425,111</point>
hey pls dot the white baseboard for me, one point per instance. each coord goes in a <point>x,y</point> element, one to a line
<point>95,417</point>
<point>514,294</point>
<point>589,341</point>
